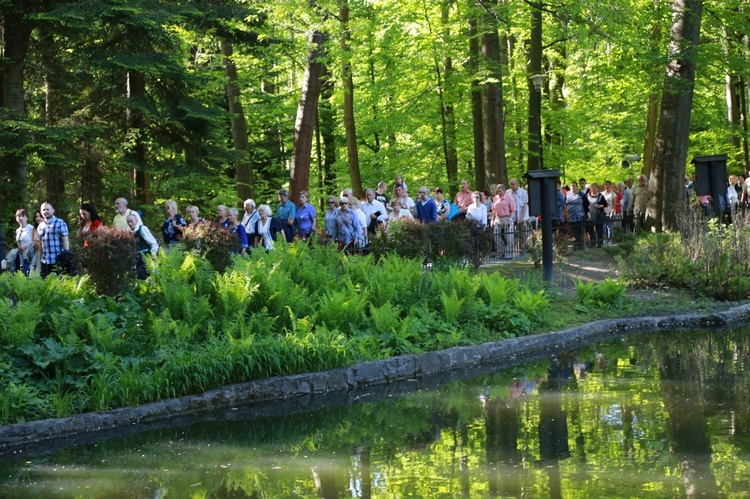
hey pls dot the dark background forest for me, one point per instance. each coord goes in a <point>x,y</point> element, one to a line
<point>208,102</point>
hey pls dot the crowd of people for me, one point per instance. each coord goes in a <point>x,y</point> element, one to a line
<point>589,212</point>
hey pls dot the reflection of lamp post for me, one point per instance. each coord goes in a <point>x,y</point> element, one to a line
<point>537,80</point>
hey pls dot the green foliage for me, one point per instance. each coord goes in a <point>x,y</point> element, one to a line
<point>188,328</point>
<point>452,305</point>
<point>709,258</point>
<point>498,290</point>
<point>607,292</point>
<point>213,242</point>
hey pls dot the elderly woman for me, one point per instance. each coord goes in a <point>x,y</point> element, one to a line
<point>330,216</point>
<point>347,228</point>
<point>171,229</point>
<point>194,218</point>
<point>267,228</point>
<point>237,228</point>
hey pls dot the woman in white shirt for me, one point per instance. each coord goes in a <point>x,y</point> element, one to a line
<point>477,211</point>
<point>25,243</point>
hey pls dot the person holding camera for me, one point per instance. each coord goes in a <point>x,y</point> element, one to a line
<point>375,212</point>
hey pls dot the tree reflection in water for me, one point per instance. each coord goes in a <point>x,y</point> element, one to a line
<point>655,415</point>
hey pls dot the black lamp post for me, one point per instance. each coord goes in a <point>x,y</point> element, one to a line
<point>542,190</point>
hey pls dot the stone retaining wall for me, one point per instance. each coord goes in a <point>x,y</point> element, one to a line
<point>340,386</point>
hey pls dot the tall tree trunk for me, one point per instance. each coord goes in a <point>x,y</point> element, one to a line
<point>535,67</point>
<point>493,122</point>
<point>54,175</point>
<point>304,125</point>
<point>476,101</point>
<point>352,153</point>
<point>733,89</point>
<point>744,92</point>
<point>448,116</point>
<point>505,55</point>
<point>652,116</point>
<point>667,194</point>
<point>649,142</point>
<point>136,129</point>
<point>16,33</point>
<point>243,167</point>
<point>556,82</point>
<point>328,136</point>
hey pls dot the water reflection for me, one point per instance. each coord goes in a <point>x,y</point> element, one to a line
<point>655,415</point>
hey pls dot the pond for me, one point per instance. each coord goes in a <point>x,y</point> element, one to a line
<point>652,415</point>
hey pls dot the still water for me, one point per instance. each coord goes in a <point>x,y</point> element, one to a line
<point>654,415</point>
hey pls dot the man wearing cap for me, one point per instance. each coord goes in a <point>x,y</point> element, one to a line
<point>286,212</point>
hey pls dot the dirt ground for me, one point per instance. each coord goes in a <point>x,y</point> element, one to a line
<point>589,265</point>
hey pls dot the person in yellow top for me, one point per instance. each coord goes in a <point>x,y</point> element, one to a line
<point>120,221</point>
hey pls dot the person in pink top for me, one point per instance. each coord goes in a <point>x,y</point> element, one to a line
<point>463,200</point>
<point>503,209</point>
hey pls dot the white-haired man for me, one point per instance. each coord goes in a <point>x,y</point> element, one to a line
<point>249,218</point>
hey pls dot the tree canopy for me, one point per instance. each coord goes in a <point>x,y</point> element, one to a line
<point>108,98</point>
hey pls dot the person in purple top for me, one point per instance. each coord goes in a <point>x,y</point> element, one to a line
<point>306,218</point>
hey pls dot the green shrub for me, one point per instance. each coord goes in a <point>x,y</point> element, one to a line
<point>607,292</point>
<point>109,260</point>
<point>215,243</point>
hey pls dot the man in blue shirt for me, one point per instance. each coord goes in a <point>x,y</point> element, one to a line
<point>426,208</point>
<point>54,237</point>
<point>286,213</point>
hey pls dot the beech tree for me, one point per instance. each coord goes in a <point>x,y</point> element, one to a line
<point>667,193</point>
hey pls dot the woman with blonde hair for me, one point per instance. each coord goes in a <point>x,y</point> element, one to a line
<point>194,218</point>
<point>171,230</point>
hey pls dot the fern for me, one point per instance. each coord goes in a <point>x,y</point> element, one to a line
<point>498,290</point>
<point>451,306</point>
